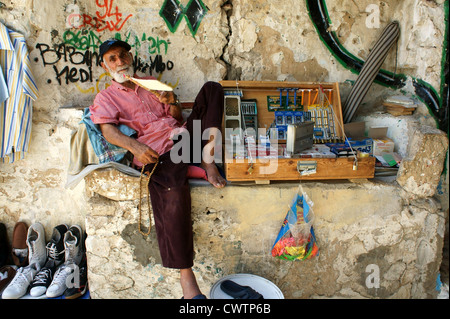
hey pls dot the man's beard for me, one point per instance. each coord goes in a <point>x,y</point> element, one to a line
<point>118,76</point>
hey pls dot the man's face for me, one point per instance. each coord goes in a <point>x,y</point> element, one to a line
<point>118,61</point>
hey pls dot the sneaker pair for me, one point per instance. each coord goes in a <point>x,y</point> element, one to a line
<point>36,259</point>
<point>66,274</point>
<point>68,241</point>
<point>55,257</point>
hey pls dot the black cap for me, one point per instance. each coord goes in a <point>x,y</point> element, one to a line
<point>105,46</point>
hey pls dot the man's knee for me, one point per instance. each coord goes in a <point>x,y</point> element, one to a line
<point>212,85</point>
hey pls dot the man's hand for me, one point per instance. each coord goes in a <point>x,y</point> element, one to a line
<point>144,154</point>
<point>168,97</point>
<point>175,108</point>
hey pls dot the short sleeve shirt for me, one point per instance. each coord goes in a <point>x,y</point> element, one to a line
<point>140,110</point>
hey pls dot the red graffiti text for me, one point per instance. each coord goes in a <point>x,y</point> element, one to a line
<point>107,17</point>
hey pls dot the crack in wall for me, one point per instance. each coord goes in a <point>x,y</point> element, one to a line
<point>227,8</point>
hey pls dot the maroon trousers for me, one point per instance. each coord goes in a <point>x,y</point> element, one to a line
<point>169,187</point>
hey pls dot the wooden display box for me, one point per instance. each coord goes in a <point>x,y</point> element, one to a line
<point>263,170</point>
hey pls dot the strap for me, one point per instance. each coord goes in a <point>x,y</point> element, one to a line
<point>148,200</point>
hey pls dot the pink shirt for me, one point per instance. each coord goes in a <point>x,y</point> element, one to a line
<point>140,110</point>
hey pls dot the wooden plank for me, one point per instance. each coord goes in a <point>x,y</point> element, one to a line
<point>271,84</point>
<point>337,107</point>
<point>398,110</point>
<point>286,169</point>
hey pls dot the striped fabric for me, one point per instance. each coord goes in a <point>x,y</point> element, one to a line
<point>15,111</point>
<point>370,69</point>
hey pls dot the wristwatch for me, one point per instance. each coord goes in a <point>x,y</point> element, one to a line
<point>177,102</point>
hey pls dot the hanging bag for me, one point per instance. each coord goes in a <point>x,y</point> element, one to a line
<point>296,239</point>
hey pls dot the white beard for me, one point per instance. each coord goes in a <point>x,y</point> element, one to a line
<point>118,75</point>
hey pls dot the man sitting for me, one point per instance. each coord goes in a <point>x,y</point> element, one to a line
<point>157,119</point>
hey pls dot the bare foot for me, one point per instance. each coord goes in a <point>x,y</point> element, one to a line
<point>213,175</point>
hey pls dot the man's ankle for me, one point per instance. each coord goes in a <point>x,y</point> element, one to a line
<point>189,284</point>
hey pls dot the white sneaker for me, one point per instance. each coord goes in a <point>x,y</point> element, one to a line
<point>19,285</point>
<point>36,245</point>
<point>59,282</point>
<point>73,244</point>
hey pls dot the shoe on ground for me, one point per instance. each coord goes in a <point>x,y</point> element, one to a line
<point>239,292</point>
<point>55,253</point>
<point>55,247</point>
<point>42,281</point>
<point>73,244</point>
<point>80,283</point>
<point>61,281</point>
<point>19,248</point>
<point>7,274</point>
<point>37,254</point>
<point>18,287</point>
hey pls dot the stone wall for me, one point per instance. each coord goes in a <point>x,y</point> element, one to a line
<point>364,228</point>
<point>358,225</point>
<point>236,39</point>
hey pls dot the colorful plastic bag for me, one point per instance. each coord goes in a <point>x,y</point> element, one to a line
<point>296,239</point>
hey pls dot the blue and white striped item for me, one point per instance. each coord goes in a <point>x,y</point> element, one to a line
<point>16,111</point>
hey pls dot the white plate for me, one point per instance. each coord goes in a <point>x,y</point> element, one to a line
<point>259,284</point>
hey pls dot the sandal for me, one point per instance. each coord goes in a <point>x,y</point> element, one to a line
<point>239,292</point>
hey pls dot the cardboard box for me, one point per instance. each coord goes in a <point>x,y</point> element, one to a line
<point>317,151</point>
<point>355,130</point>
<point>381,146</point>
<point>375,144</point>
<point>363,145</point>
<point>355,133</point>
<point>381,143</point>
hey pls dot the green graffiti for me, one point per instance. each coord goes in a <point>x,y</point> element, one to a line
<point>155,45</point>
<point>173,13</point>
<point>82,40</point>
<point>89,40</point>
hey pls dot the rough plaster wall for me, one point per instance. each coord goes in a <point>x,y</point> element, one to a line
<point>235,228</point>
<point>288,44</point>
<point>282,42</point>
<point>33,189</point>
<point>249,40</point>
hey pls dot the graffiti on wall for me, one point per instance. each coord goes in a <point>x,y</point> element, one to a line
<point>88,39</point>
<point>437,106</point>
<point>79,65</point>
<point>173,13</point>
<point>107,17</point>
<point>75,60</point>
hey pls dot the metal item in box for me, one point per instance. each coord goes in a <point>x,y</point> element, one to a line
<point>249,112</point>
<point>299,137</point>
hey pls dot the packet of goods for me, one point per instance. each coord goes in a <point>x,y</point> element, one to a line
<point>296,239</point>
